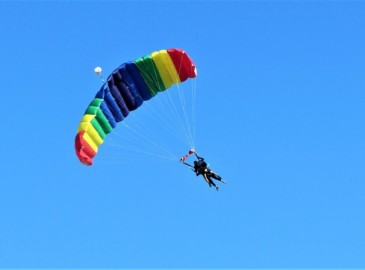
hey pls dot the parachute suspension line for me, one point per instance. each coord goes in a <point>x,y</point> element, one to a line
<point>168,102</point>
<point>138,151</point>
<point>184,121</point>
<point>191,125</point>
<point>193,98</point>
<point>184,107</point>
<point>171,104</point>
<point>158,117</point>
<point>142,135</point>
<point>165,103</point>
<point>139,154</point>
<point>193,113</point>
<point>177,115</point>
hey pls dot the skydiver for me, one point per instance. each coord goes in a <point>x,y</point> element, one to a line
<point>201,167</point>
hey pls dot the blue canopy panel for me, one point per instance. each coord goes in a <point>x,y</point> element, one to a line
<point>131,85</point>
<point>104,93</point>
<point>119,99</point>
<point>117,80</point>
<point>116,85</point>
<point>135,75</point>
<point>108,114</point>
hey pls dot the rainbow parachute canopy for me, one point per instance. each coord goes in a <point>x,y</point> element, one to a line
<point>126,88</point>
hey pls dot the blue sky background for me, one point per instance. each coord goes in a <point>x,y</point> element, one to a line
<point>279,112</point>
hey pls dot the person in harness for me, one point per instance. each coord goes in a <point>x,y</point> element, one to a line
<point>201,168</point>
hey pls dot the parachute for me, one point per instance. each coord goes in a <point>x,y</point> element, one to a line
<point>125,90</point>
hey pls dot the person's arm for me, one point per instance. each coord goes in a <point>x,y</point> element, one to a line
<point>198,157</point>
<point>187,164</point>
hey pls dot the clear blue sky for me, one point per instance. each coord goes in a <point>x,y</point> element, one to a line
<point>280,115</point>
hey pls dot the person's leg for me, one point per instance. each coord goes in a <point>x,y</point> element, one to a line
<point>209,181</point>
<point>216,176</point>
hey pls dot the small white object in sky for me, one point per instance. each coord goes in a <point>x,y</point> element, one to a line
<point>98,70</point>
